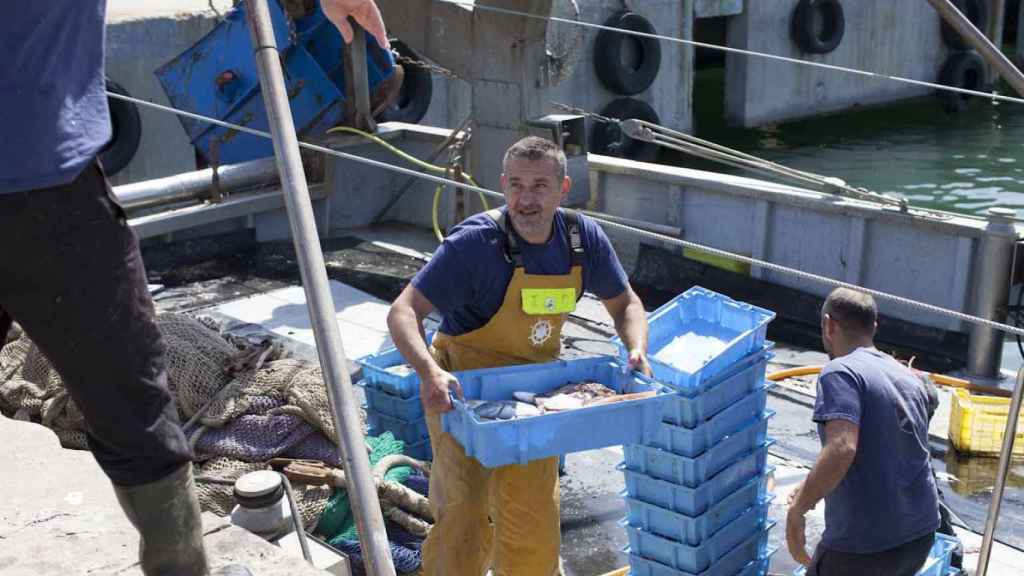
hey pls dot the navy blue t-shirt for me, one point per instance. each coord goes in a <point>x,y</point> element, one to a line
<point>53,106</point>
<point>888,496</point>
<point>467,278</point>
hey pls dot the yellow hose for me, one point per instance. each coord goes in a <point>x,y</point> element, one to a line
<point>416,161</point>
<point>939,379</point>
<point>794,372</point>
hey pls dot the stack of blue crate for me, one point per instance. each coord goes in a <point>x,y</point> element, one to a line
<point>696,489</point>
<point>393,401</point>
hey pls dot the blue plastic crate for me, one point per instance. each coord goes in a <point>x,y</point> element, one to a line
<point>375,372</point>
<point>408,409</point>
<point>420,450</point>
<point>699,558</point>
<point>937,563</point>
<point>693,530</point>
<point>693,472</point>
<point>408,431</point>
<point>721,392</point>
<point>724,567</point>
<point>499,443</point>
<point>692,442</point>
<point>696,501</point>
<point>698,334</point>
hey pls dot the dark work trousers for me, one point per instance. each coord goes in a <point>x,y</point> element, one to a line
<point>72,276</point>
<point>903,560</point>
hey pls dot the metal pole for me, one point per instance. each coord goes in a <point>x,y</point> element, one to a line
<point>195,185</point>
<point>995,32</point>
<point>991,292</point>
<point>1004,468</point>
<point>361,79</point>
<point>979,42</point>
<point>331,352</point>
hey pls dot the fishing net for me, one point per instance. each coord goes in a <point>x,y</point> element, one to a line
<point>338,520</point>
<point>253,402</point>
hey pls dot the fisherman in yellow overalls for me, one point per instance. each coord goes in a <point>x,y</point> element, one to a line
<point>504,282</point>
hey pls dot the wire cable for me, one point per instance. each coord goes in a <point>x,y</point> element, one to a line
<point>921,306</point>
<point>729,49</point>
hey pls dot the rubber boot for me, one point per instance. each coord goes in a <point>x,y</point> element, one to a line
<point>166,514</point>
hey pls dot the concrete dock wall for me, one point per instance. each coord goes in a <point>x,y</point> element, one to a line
<point>142,35</point>
<point>895,38</point>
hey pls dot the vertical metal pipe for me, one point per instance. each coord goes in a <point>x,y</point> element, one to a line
<point>1004,467</point>
<point>361,79</point>
<point>331,352</point>
<point>1020,26</point>
<point>979,42</point>
<point>995,32</point>
<point>991,292</point>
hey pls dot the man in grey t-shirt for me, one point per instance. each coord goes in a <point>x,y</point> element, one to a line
<point>874,470</point>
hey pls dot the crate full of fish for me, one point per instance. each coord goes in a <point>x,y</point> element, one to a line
<point>516,414</point>
<point>700,333</point>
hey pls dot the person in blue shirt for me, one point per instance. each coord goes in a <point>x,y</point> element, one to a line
<point>504,282</point>
<point>874,470</point>
<point>72,276</point>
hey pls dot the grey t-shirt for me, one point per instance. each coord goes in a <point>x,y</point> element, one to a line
<point>888,496</point>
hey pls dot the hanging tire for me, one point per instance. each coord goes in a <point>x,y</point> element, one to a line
<point>125,131</point>
<point>416,93</point>
<point>962,70</point>
<point>977,11</point>
<point>610,51</point>
<point>818,26</point>
<point>609,140</point>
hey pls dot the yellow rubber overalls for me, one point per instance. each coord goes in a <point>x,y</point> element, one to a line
<point>520,500</point>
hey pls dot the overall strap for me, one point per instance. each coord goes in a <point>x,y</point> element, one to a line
<point>513,254</point>
<point>572,224</point>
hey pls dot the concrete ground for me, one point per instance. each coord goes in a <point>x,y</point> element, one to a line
<point>59,515</point>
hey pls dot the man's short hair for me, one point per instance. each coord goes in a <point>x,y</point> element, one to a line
<point>855,311</point>
<point>535,148</point>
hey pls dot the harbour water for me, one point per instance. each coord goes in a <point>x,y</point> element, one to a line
<point>961,163</point>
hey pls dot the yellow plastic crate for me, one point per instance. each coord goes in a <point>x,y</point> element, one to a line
<point>977,424</point>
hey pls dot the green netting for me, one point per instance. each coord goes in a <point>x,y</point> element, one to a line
<point>337,521</point>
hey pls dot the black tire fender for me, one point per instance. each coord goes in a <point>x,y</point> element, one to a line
<point>818,26</point>
<point>609,140</point>
<point>609,48</point>
<point>977,11</point>
<point>961,70</point>
<point>125,131</point>
<point>416,93</point>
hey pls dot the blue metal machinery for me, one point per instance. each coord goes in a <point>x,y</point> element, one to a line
<point>217,77</point>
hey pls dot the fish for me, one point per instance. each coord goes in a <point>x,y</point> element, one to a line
<point>502,409</point>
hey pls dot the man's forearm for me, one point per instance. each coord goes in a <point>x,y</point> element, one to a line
<point>830,469</point>
<point>407,333</point>
<point>631,325</point>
